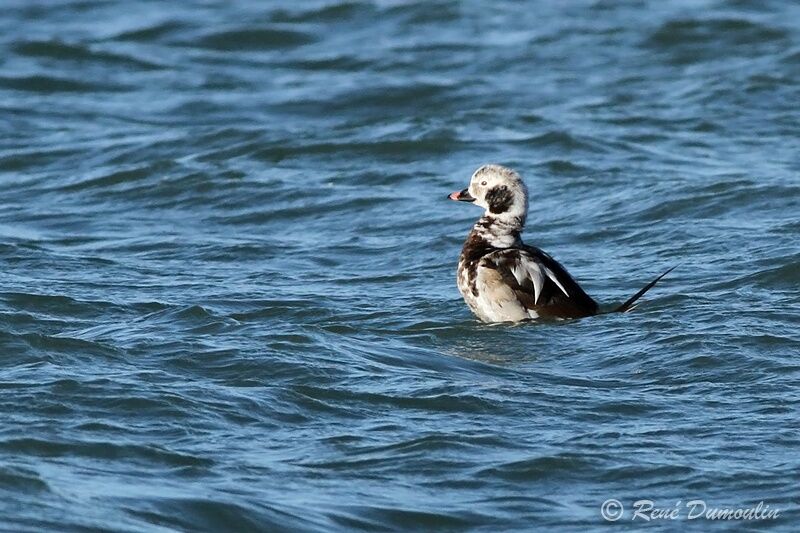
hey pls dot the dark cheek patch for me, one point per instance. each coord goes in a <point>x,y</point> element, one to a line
<point>499,199</point>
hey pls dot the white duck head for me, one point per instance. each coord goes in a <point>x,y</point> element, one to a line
<point>500,191</point>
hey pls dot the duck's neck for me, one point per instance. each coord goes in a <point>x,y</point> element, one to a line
<point>499,231</point>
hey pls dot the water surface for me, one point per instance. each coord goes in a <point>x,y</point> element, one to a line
<point>228,294</point>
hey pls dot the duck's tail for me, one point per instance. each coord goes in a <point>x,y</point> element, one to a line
<point>630,303</point>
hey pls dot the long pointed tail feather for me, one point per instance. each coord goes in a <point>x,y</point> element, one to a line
<point>629,304</point>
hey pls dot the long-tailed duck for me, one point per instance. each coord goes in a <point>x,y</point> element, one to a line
<point>501,278</point>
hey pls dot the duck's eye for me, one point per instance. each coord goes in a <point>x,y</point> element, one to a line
<point>483,182</point>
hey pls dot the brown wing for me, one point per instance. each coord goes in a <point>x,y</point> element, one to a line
<point>540,283</point>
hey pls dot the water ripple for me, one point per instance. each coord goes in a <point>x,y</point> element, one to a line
<point>228,297</point>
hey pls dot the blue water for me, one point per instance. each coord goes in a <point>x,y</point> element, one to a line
<point>228,298</point>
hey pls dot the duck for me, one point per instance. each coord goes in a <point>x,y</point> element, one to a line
<point>501,278</point>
